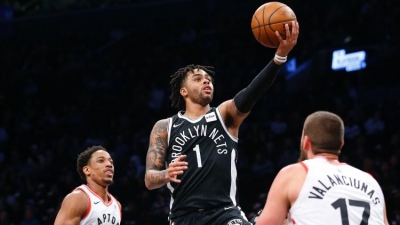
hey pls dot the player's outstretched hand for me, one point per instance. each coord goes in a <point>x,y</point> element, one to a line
<point>176,168</point>
<point>287,44</point>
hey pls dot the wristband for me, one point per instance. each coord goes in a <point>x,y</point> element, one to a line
<point>280,59</point>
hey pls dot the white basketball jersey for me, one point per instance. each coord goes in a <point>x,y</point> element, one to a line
<point>337,195</point>
<point>99,212</point>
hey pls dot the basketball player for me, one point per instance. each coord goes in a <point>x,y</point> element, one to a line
<point>195,151</point>
<point>320,190</point>
<point>91,203</point>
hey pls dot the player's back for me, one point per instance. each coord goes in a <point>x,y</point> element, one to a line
<point>337,194</point>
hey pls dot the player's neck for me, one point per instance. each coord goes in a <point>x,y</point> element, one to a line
<point>101,191</point>
<point>194,111</point>
<point>327,156</point>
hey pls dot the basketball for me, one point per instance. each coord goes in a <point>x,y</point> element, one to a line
<point>271,17</point>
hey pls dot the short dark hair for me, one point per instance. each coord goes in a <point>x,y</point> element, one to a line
<point>177,80</point>
<point>325,131</point>
<point>84,157</point>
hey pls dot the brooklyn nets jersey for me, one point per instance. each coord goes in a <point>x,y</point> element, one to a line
<point>99,212</point>
<point>210,180</point>
<point>337,195</point>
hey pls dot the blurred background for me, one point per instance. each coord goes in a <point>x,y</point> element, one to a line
<point>77,73</point>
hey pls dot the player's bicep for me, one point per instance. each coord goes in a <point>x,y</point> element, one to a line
<point>156,154</point>
<point>232,116</point>
<point>386,221</point>
<point>73,208</point>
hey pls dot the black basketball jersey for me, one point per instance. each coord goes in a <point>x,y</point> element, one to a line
<point>210,180</point>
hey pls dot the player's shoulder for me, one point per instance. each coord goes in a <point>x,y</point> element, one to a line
<point>162,124</point>
<point>293,167</point>
<point>76,203</point>
<point>77,194</point>
<point>163,121</point>
<point>289,175</point>
<point>293,170</point>
<point>76,198</point>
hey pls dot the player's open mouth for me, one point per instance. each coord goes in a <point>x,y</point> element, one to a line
<point>207,89</point>
<point>109,173</point>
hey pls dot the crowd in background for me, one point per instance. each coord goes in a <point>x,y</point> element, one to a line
<point>58,98</point>
<point>31,8</point>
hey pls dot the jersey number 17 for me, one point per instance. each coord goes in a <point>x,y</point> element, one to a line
<point>340,203</point>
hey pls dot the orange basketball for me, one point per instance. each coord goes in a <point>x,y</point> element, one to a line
<point>271,17</point>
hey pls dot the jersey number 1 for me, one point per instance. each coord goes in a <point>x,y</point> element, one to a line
<point>341,204</point>
<point>198,156</point>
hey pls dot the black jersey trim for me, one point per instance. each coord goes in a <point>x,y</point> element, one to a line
<point>235,139</point>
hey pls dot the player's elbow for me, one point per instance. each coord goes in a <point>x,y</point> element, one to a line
<point>155,179</point>
<point>148,183</point>
<point>149,186</point>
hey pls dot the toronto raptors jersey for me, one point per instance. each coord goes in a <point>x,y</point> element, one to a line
<point>337,195</point>
<point>210,180</point>
<point>99,212</point>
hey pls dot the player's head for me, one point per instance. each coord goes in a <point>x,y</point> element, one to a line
<point>323,132</point>
<point>189,83</point>
<point>96,164</point>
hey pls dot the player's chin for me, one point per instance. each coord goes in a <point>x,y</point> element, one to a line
<point>108,181</point>
<point>207,98</point>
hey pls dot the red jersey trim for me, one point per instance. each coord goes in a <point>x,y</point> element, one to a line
<point>304,166</point>
<point>109,196</point>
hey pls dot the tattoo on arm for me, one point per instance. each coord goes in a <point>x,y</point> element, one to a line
<point>156,154</point>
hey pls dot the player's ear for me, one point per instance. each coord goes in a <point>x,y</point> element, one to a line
<point>306,142</point>
<point>86,170</point>
<point>183,91</point>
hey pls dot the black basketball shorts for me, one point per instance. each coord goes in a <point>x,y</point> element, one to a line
<point>229,215</point>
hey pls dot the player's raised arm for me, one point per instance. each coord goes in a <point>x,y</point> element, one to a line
<point>156,174</point>
<point>243,102</point>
